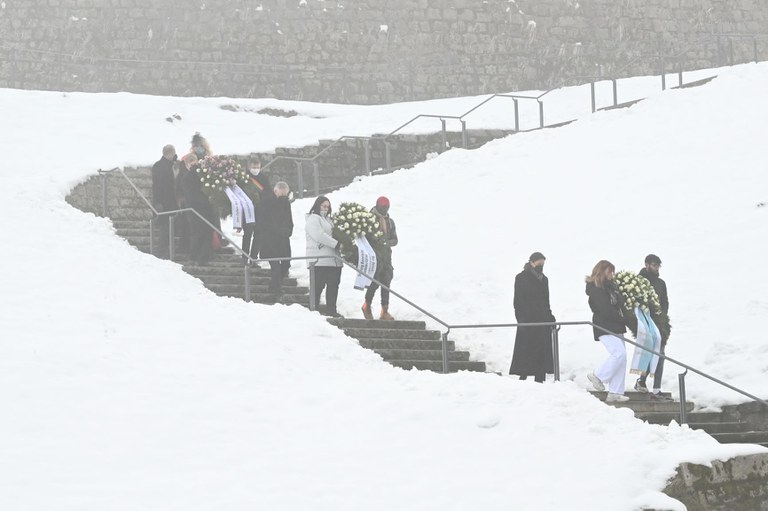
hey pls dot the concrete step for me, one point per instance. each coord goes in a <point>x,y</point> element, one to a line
<point>745,437</point>
<point>237,290</point>
<point>286,299</point>
<point>394,333</point>
<point>631,394</point>
<point>227,276</point>
<point>434,355</point>
<point>437,367</point>
<point>651,406</point>
<point>695,83</point>
<point>692,417</point>
<point>400,344</point>
<point>366,323</point>
<point>720,427</point>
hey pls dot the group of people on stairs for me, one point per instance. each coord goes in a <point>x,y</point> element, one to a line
<point>178,186</point>
<point>533,355</point>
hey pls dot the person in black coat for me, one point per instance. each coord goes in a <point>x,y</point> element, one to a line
<point>533,345</point>
<point>651,272</point>
<point>606,303</point>
<point>201,234</point>
<point>274,225</point>
<point>164,195</point>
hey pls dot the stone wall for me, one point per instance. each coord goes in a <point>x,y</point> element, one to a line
<point>740,483</point>
<point>358,51</point>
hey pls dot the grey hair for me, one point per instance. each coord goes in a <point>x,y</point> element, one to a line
<point>282,185</point>
<point>168,149</point>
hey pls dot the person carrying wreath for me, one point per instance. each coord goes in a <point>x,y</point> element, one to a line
<point>533,345</point>
<point>384,269</point>
<point>651,272</point>
<point>320,242</point>
<point>606,303</point>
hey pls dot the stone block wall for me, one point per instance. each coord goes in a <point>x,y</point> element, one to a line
<point>359,51</point>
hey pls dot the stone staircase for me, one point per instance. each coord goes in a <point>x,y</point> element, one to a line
<point>726,427</point>
<point>407,344</point>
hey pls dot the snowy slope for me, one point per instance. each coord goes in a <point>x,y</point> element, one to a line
<point>126,385</point>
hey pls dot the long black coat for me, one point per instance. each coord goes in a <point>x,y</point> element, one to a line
<point>533,345</point>
<point>274,225</point>
<point>193,195</point>
<point>606,303</point>
<point>163,187</point>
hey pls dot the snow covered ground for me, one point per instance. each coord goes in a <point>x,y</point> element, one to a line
<point>124,384</point>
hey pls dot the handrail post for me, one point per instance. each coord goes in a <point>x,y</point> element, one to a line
<point>683,411</point>
<point>541,113</point>
<point>464,134</point>
<point>312,285</point>
<point>719,51</point>
<point>151,236</point>
<point>517,115</point>
<point>615,92</point>
<point>171,236</point>
<point>592,94</point>
<point>555,353</point>
<point>444,136</point>
<point>731,60</point>
<point>247,281</point>
<point>754,49</point>
<point>444,339</point>
<point>300,179</point>
<point>388,155</point>
<point>368,157</point>
<point>316,177</point>
<point>104,210</point>
<point>679,72</point>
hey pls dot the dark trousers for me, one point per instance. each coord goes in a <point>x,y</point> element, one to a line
<point>278,270</point>
<point>201,240</point>
<point>181,229</point>
<point>538,378</point>
<point>249,240</point>
<point>327,277</point>
<point>659,370</point>
<point>164,231</point>
<point>385,277</point>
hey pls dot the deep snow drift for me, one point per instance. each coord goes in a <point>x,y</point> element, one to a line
<point>127,385</point>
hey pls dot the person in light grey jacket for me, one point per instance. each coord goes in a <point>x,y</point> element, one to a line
<point>320,242</point>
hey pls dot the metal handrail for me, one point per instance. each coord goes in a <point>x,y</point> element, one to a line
<point>556,361</point>
<point>615,76</point>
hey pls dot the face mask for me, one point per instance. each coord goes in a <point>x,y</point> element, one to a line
<point>254,171</point>
<point>538,269</point>
<point>323,214</point>
<point>199,151</point>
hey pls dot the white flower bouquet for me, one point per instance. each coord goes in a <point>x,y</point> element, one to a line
<point>351,221</point>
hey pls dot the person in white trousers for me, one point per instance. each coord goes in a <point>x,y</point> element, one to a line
<point>606,301</point>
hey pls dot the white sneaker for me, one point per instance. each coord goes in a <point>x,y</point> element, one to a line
<point>616,398</point>
<point>595,381</point>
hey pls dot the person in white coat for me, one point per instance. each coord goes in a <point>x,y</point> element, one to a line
<point>320,242</point>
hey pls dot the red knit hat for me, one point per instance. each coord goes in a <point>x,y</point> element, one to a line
<point>382,201</point>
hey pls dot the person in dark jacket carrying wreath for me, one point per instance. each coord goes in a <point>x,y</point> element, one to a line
<point>200,231</point>
<point>606,302</point>
<point>274,225</point>
<point>384,270</point>
<point>533,345</point>
<point>651,272</point>
<point>164,195</point>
